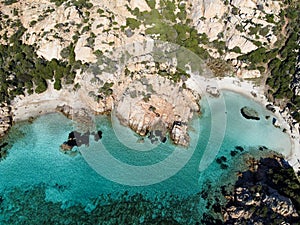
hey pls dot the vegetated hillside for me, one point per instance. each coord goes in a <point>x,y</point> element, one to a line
<point>239,38</point>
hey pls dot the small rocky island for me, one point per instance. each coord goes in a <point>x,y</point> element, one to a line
<point>249,113</point>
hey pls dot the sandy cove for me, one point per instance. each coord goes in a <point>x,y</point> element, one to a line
<point>256,93</point>
<point>35,105</point>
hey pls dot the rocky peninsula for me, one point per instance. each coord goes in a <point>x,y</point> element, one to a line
<point>263,193</point>
<point>153,103</point>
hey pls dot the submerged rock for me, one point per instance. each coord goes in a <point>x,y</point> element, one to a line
<point>249,113</point>
<point>76,139</point>
<point>3,150</point>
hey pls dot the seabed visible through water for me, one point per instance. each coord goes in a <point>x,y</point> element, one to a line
<point>40,183</point>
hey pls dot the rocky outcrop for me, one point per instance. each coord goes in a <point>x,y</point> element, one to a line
<point>239,26</point>
<point>5,119</point>
<point>249,113</point>
<point>213,91</point>
<point>263,194</point>
<point>156,103</point>
<point>65,110</point>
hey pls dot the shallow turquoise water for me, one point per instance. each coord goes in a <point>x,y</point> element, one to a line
<point>35,157</point>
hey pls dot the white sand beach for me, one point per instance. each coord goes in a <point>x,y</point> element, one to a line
<point>35,105</point>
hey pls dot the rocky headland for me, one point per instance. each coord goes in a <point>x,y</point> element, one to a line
<point>267,192</point>
<point>154,103</point>
<point>263,191</point>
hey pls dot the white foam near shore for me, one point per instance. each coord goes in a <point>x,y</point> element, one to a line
<point>199,84</point>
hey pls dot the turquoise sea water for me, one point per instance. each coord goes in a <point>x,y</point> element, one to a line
<point>34,161</point>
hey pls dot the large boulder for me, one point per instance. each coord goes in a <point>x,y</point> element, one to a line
<point>249,113</point>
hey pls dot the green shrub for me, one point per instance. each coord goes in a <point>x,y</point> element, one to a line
<point>132,23</point>
<point>58,2</point>
<point>57,84</point>
<point>270,18</point>
<point>9,2</point>
<point>236,49</point>
<point>151,3</point>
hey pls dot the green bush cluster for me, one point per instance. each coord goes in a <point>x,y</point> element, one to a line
<point>78,3</point>
<point>151,3</point>
<point>176,77</point>
<point>58,2</point>
<point>132,23</point>
<point>286,183</point>
<point>255,57</point>
<point>106,89</point>
<point>9,2</point>
<point>21,68</point>
<point>282,69</point>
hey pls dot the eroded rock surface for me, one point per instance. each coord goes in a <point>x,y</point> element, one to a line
<point>156,103</point>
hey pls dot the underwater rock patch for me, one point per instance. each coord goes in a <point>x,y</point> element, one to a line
<point>249,113</point>
<point>77,139</point>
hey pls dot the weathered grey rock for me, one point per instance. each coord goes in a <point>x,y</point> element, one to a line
<point>162,103</point>
<point>213,91</point>
<point>65,110</point>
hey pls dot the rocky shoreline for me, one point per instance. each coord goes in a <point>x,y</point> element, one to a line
<point>5,119</point>
<point>264,193</point>
<point>5,124</point>
<point>264,190</point>
<point>154,103</point>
